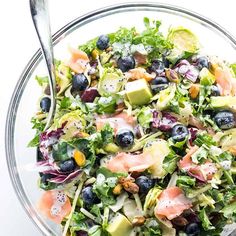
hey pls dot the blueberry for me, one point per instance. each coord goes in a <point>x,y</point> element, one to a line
<point>225,119</point>
<point>45,104</point>
<point>158,84</point>
<point>102,42</point>
<point>157,66</point>
<point>215,90</point>
<point>192,229</point>
<point>179,132</point>
<point>126,63</point>
<point>67,166</point>
<point>88,196</point>
<point>125,138</point>
<point>144,183</point>
<point>202,62</point>
<point>81,233</point>
<point>79,82</point>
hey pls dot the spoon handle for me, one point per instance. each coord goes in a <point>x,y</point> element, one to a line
<point>40,16</point>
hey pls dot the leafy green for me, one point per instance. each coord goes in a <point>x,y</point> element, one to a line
<point>106,105</point>
<point>105,182</point>
<point>145,117</point>
<point>229,211</point>
<point>123,35</point>
<point>65,103</point>
<point>185,181</point>
<point>152,37</point>
<point>34,142</point>
<point>170,162</point>
<point>200,155</point>
<point>107,133</point>
<point>206,224</point>
<point>39,126</point>
<point>47,185</point>
<point>96,211</point>
<point>204,138</point>
<point>89,46</point>
<point>42,80</point>
<point>60,151</point>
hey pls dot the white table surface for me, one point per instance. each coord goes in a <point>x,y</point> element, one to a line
<point>18,42</point>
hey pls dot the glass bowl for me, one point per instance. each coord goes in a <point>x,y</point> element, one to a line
<point>215,39</point>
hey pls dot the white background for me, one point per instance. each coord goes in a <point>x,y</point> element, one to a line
<point>18,43</point>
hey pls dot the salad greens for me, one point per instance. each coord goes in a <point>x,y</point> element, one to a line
<point>143,142</point>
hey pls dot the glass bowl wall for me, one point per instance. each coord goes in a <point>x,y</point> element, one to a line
<point>214,39</point>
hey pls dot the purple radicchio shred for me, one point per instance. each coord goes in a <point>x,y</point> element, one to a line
<point>156,119</point>
<point>193,135</point>
<point>62,177</point>
<point>48,138</point>
<point>163,121</point>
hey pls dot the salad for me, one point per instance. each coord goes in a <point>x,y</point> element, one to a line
<point>144,137</point>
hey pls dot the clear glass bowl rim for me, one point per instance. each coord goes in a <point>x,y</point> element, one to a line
<point>34,61</point>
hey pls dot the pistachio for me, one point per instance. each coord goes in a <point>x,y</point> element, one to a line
<point>138,220</point>
<point>129,185</point>
<point>179,221</point>
<point>172,75</point>
<point>117,190</point>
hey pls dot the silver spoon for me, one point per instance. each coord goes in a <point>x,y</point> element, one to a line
<point>40,17</point>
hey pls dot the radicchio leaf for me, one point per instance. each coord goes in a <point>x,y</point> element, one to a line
<point>48,138</point>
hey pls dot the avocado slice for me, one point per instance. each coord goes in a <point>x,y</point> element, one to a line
<point>138,92</point>
<point>119,225</point>
<point>224,102</point>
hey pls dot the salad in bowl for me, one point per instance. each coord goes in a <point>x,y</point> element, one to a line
<point>144,137</point>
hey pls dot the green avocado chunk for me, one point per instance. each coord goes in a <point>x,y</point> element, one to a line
<point>138,92</point>
<point>224,102</point>
<point>119,225</point>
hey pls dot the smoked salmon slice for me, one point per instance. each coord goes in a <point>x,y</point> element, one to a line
<point>55,205</point>
<point>78,61</point>
<point>171,203</point>
<point>201,172</point>
<point>225,81</point>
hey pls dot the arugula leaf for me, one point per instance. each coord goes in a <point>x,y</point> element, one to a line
<point>206,224</point>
